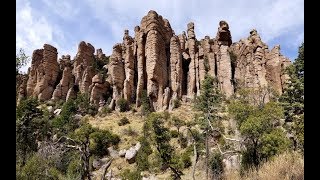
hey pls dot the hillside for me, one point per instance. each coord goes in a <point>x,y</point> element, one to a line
<point>162,106</point>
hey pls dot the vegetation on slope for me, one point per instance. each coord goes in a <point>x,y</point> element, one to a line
<point>186,143</point>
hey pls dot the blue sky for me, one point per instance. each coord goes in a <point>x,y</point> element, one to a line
<point>64,23</point>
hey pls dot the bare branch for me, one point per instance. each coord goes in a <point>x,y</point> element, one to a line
<point>106,168</point>
<point>74,147</point>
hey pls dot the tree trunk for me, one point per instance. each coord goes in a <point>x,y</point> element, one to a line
<point>195,159</point>
<point>207,154</point>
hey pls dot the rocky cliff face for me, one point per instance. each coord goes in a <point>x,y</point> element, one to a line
<point>156,60</point>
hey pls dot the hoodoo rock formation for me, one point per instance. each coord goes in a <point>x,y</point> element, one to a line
<point>167,66</point>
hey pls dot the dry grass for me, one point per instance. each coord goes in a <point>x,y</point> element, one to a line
<point>287,166</point>
<point>110,122</point>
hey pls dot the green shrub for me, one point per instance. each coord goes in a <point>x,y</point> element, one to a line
<point>126,174</point>
<point>123,105</point>
<point>183,141</point>
<point>176,103</point>
<point>216,164</point>
<point>143,153</point>
<point>123,121</point>
<point>74,170</point>
<point>101,140</point>
<point>177,122</point>
<point>145,104</point>
<point>174,133</point>
<point>65,122</point>
<point>38,168</point>
<point>186,160</point>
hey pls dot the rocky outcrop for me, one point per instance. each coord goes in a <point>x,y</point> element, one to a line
<point>99,89</point>
<point>223,59</point>
<point>275,66</point>
<point>158,34</point>
<point>21,87</point>
<point>100,55</point>
<point>83,70</point>
<point>43,73</point>
<point>175,78</point>
<point>191,42</point>
<point>117,74</point>
<point>139,51</point>
<point>256,66</point>
<point>130,155</point>
<point>168,67</point>
<point>66,82</point>
<point>129,64</point>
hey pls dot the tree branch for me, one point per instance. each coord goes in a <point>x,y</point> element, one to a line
<point>106,168</point>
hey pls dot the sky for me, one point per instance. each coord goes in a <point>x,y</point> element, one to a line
<point>65,23</point>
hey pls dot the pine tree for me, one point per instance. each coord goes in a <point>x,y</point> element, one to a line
<point>293,99</point>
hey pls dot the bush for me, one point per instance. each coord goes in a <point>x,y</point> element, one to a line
<point>176,103</point>
<point>186,160</point>
<point>74,170</point>
<point>38,168</point>
<point>143,153</point>
<point>82,103</point>
<point>101,140</point>
<point>123,105</point>
<point>174,133</point>
<point>216,165</point>
<point>177,122</point>
<point>145,104</point>
<point>130,175</point>
<point>183,141</point>
<point>65,122</point>
<point>123,121</point>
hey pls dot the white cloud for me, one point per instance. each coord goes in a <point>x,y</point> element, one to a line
<point>67,9</point>
<point>34,30</point>
<point>271,18</point>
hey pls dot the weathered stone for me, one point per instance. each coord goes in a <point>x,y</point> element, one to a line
<point>232,163</point>
<point>122,152</point>
<point>21,87</point>
<point>223,59</point>
<point>117,74</point>
<point>158,34</point>
<point>112,152</point>
<point>71,94</point>
<point>175,68</point>
<point>166,66</point>
<point>66,81</point>
<point>129,61</point>
<point>43,73</point>
<point>99,89</point>
<point>192,50</point>
<point>50,109</point>
<point>131,155</point>
<point>137,146</point>
<point>83,66</point>
<point>141,62</point>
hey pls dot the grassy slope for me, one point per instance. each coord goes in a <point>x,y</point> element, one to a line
<point>185,112</point>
